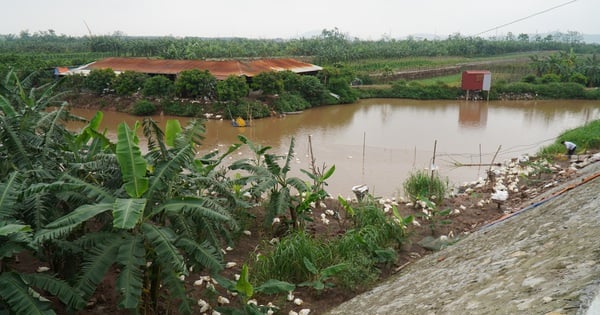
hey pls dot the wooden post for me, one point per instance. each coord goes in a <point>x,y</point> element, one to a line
<point>490,175</point>
<point>479,169</point>
<point>363,153</point>
<point>433,159</point>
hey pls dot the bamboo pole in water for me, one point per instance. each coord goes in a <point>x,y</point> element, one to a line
<point>363,154</point>
<point>433,159</point>
<point>492,163</point>
<point>480,161</point>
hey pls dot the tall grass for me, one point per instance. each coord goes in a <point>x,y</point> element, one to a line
<point>422,184</point>
<point>285,261</point>
<point>371,241</point>
<point>586,137</point>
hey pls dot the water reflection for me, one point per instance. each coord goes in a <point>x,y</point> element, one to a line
<point>378,142</point>
<point>472,114</point>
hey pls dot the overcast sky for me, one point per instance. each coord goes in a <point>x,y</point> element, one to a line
<point>367,19</point>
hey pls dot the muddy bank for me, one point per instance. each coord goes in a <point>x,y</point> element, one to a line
<point>544,260</point>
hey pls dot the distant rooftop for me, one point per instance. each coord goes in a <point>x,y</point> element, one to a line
<point>221,69</point>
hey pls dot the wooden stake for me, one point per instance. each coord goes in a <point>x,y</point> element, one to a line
<point>492,163</point>
<point>414,157</point>
<point>433,160</point>
<point>479,169</point>
<point>363,153</point>
<point>491,176</point>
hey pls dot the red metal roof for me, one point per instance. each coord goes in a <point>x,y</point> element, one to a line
<point>221,69</point>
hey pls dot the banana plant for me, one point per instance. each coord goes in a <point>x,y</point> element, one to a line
<point>21,292</point>
<point>321,278</point>
<point>155,234</point>
<point>246,291</point>
<point>285,194</point>
<point>268,176</point>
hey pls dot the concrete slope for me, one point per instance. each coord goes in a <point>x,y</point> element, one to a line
<point>545,260</point>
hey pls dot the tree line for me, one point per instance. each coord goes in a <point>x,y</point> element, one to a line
<point>277,92</point>
<point>329,47</point>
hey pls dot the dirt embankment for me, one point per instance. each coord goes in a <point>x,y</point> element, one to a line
<point>543,260</point>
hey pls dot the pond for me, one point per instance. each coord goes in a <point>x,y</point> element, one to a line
<point>379,142</point>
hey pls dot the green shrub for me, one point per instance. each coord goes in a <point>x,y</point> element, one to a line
<point>158,86</point>
<point>270,83</point>
<point>312,90</point>
<point>550,77</point>
<point>177,108</point>
<point>592,94</point>
<point>517,87</point>
<point>578,78</point>
<point>73,83</point>
<point>289,102</point>
<point>529,78</point>
<point>341,87</point>
<point>232,89</point>
<point>129,82</point>
<point>143,108</point>
<point>250,109</point>
<point>558,90</point>
<point>422,184</point>
<point>99,81</point>
<point>195,83</point>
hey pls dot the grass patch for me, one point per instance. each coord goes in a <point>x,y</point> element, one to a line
<point>586,137</point>
<point>422,184</point>
<point>450,80</point>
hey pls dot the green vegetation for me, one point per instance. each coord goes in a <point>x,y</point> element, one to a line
<point>100,81</point>
<point>587,138</point>
<point>449,80</point>
<point>349,260</point>
<point>143,108</point>
<point>287,194</point>
<point>232,89</point>
<point>83,204</point>
<point>158,86</point>
<point>129,82</point>
<point>196,84</point>
<point>288,102</point>
<point>434,216</point>
<point>85,207</point>
<point>560,64</point>
<point>423,185</point>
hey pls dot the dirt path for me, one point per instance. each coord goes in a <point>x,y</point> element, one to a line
<point>545,260</point>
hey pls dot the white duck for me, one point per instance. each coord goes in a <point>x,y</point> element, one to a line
<point>499,196</point>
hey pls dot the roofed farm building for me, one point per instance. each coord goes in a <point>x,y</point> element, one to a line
<point>220,69</point>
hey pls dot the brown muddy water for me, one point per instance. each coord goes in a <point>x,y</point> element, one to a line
<point>379,142</point>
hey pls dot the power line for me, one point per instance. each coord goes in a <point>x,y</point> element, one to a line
<point>525,18</point>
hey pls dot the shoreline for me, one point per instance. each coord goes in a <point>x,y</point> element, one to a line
<point>533,261</point>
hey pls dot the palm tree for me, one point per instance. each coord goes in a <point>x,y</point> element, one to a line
<point>591,69</point>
